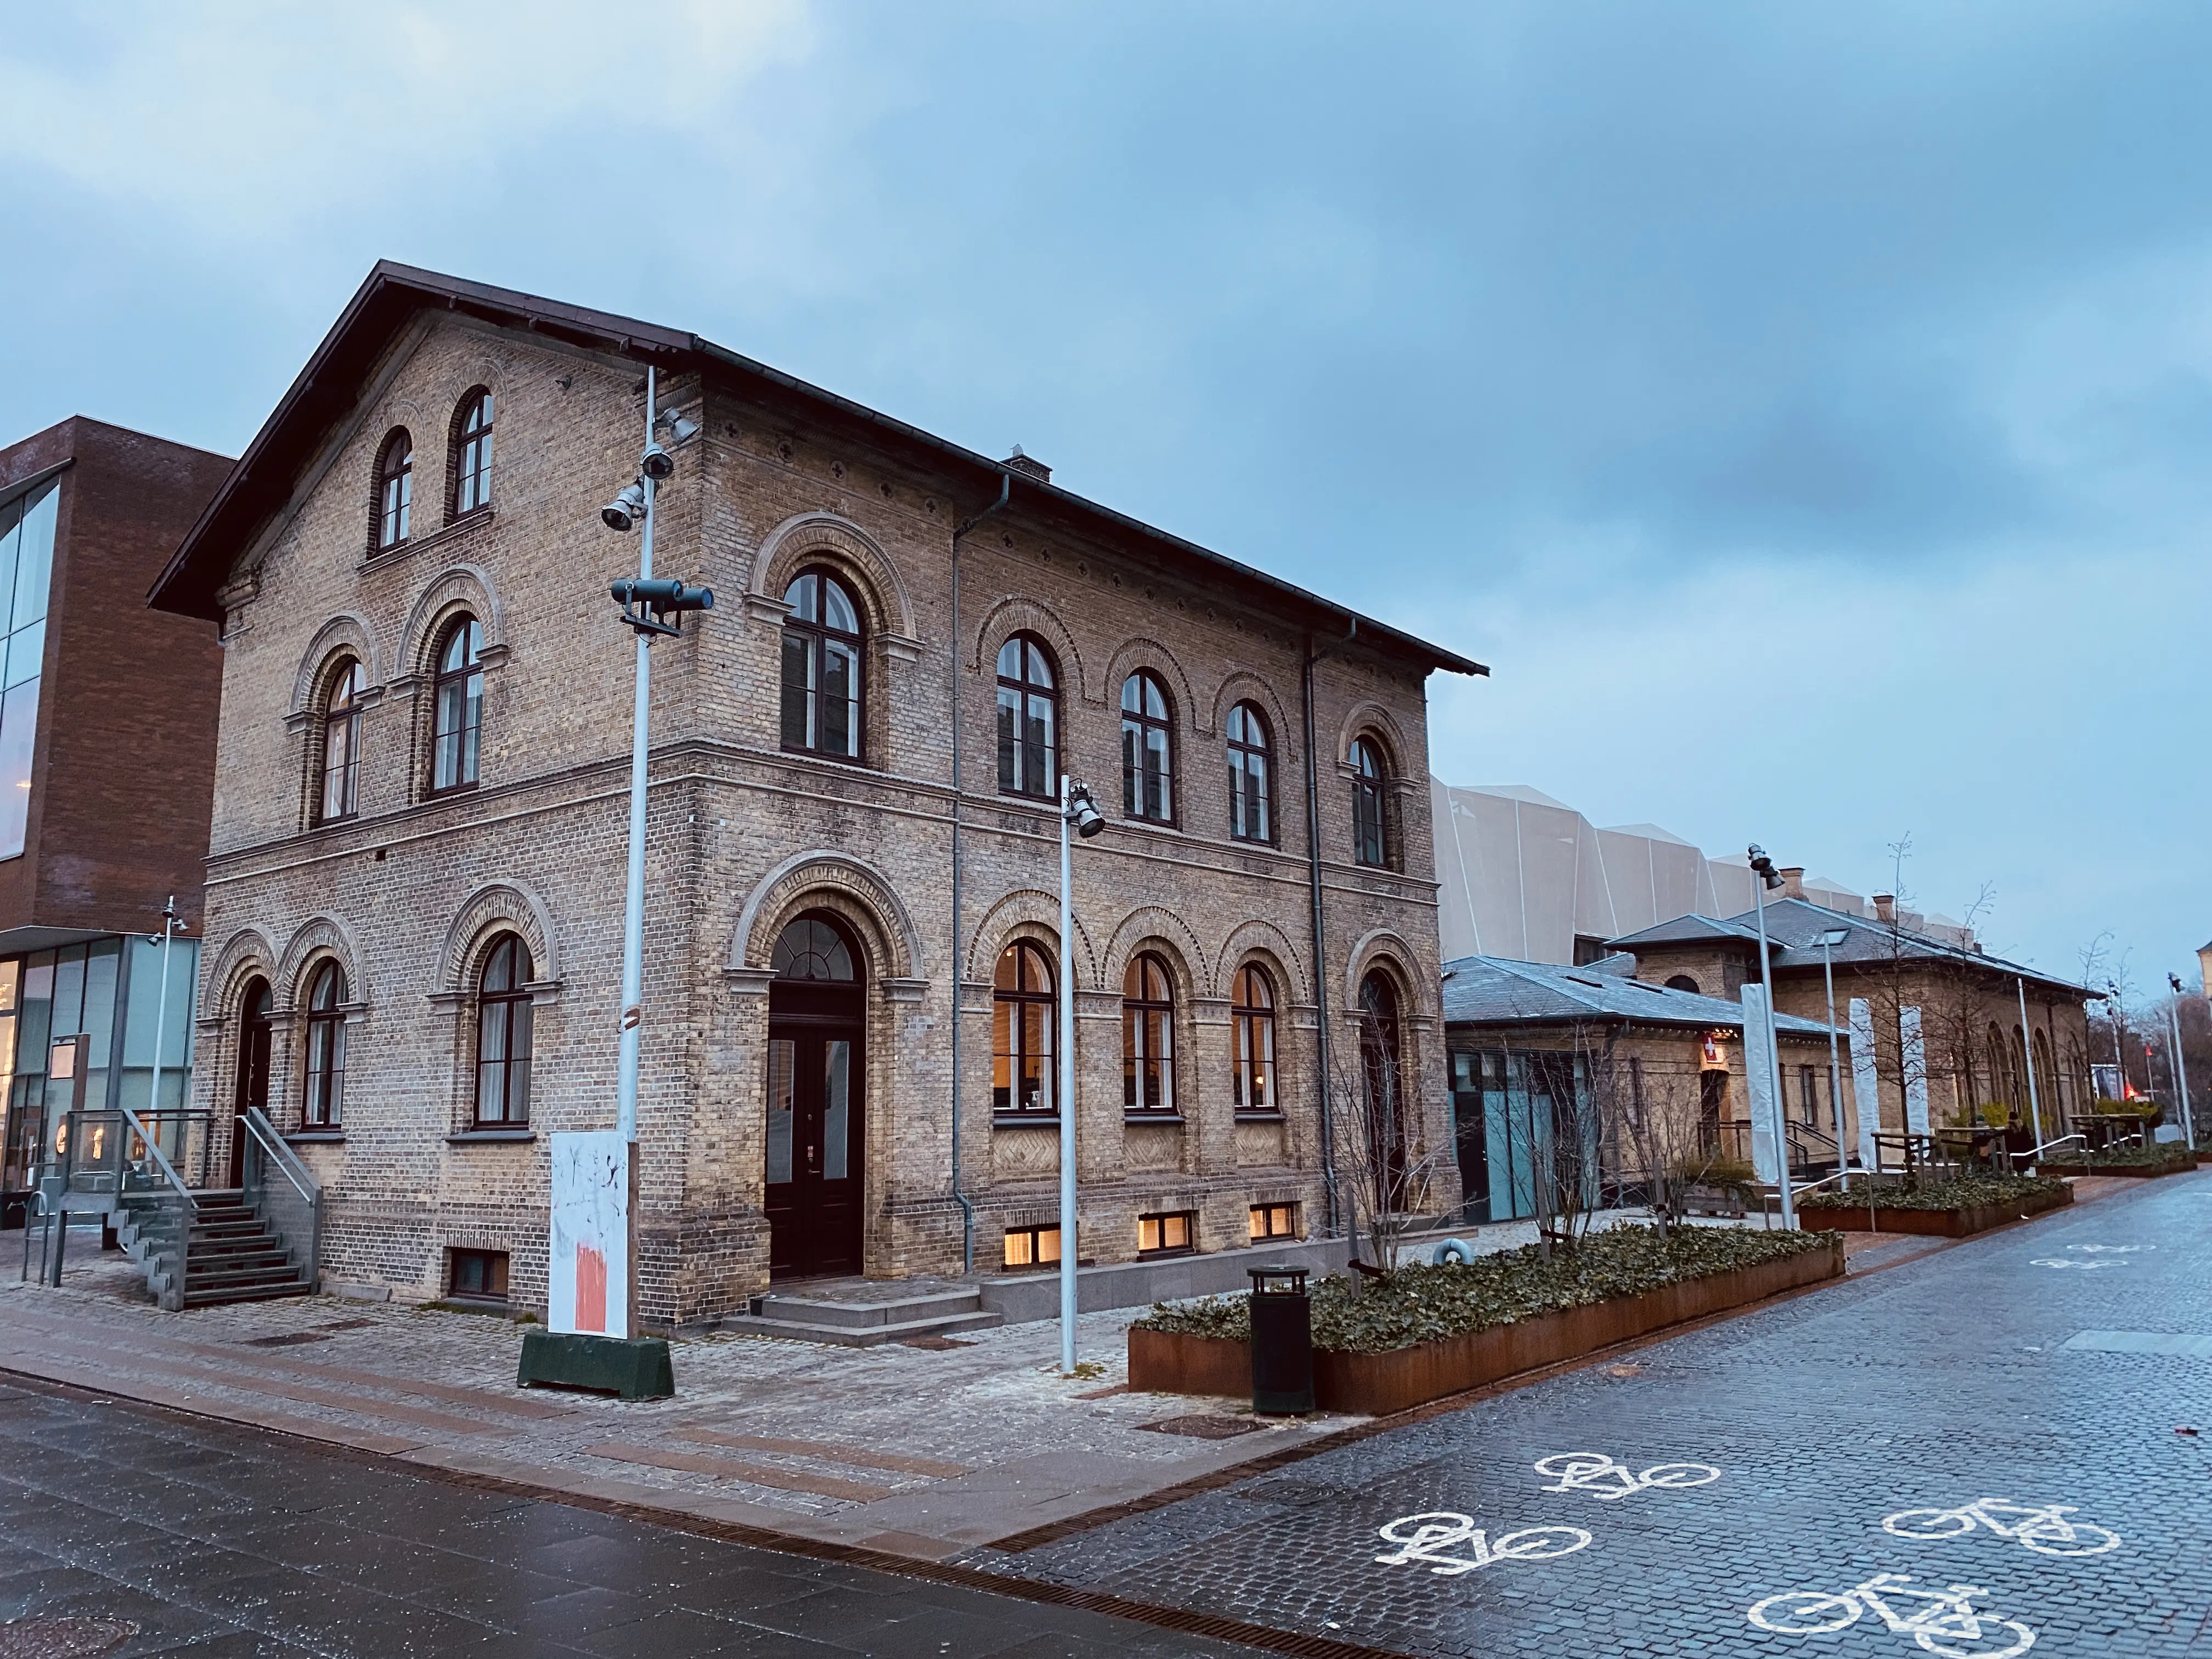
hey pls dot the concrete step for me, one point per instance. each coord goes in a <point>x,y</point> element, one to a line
<point>197,1297</point>
<point>829,1311</point>
<point>860,1336</point>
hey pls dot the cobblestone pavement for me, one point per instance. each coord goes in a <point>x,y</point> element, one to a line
<point>2010,1367</point>
<point>128,1533</point>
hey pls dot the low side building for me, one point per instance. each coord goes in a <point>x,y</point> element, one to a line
<point>1647,1075</point>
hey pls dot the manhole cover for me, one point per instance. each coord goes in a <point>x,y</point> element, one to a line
<point>62,1638</point>
<point>934,1343</point>
<point>288,1340</point>
<point>1203,1427</point>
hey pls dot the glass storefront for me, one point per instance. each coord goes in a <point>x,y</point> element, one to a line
<point>109,993</point>
<point>1515,1113</point>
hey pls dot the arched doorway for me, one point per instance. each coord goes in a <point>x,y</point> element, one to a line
<point>1381,1075</point>
<point>814,1138</point>
<point>251,1086</point>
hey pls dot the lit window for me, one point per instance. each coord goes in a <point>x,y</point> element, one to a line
<point>1147,1037</point>
<point>1274,1221</point>
<point>1252,1015</point>
<point>1166,1235</point>
<point>1022,1010</point>
<point>1032,1247</point>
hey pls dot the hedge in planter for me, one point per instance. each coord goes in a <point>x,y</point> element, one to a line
<point>1427,1331</point>
<point>2165,1158</point>
<point>1950,1206</point>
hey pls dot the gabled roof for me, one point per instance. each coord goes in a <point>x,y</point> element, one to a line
<point>1493,991</point>
<point>326,389</point>
<point>1793,927</point>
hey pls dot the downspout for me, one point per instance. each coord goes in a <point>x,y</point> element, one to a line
<point>967,1204</point>
<point>1320,937</point>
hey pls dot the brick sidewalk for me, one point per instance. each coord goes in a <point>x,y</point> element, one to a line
<point>926,1452</point>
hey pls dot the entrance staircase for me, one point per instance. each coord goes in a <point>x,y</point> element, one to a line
<point>857,1313</point>
<point>233,1254</point>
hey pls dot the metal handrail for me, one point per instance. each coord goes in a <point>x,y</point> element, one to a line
<point>302,1178</point>
<point>2038,1152</point>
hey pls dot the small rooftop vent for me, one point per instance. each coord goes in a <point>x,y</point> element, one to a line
<point>1028,466</point>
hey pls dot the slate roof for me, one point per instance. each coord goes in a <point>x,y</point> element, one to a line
<point>1493,991</point>
<point>1793,927</point>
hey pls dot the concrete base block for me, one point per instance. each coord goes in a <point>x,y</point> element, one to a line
<point>634,1369</point>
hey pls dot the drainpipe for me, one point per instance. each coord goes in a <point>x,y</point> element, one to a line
<point>967,1204</point>
<point>1319,934</point>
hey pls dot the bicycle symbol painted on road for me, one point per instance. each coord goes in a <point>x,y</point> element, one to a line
<point>2068,1261</point>
<point>2042,1528</point>
<point>1424,1538</point>
<point>1949,1624</point>
<point>2111,1250</point>
<point>1598,1475</point>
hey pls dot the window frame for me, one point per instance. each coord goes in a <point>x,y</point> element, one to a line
<point>1013,1052</point>
<point>467,628</point>
<point>347,680</point>
<point>1026,693</point>
<point>512,1007</point>
<point>1145,1017</point>
<point>1254,1024</point>
<point>500,1260</point>
<point>819,637</point>
<point>1371,775</point>
<point>1141,725</point>
<point>1293,1227</point>
<point>1036,1234</point>
<point>472,451</point>
<point>391,503</point>
<point>1161,1218</point>
<point>322,1092</point>
<point>1243,750</point>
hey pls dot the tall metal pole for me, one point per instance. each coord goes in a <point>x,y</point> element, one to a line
<point>2180,1066</point>
<point>2027,1054</point>
<point>1835,1067</point>
<point>633,980</point>
<point>161,1008</point>
<point>1066,1090</point>
<point>1774,1057</point>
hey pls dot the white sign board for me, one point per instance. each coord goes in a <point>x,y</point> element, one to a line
<point>1866,1084</point>
<point>1915,1054</point>
<point>1758,1072</point>
<point>588,1272</point>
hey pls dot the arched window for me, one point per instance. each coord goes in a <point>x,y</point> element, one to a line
<point>1029,719</point>
<point>1022,1017</point>
<point>811,949</point>
<point>472,453</point>
<point>395,488</point>
<point>503,1036</point>
<point>822,668</point>
<point>1382,1141</point>
<point>1147,1037</point>
<point>1370,840</point>
<point>339,796</point>
<point>1251,784</point>
<point>1147,751</point>
<point>2040,1053</point>
<point>323,1099</point>
<point>1684,982</point>
<point>1252,1012</point>
<point>458,700</point>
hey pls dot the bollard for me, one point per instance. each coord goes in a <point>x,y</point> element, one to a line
<point>1282,1341</point>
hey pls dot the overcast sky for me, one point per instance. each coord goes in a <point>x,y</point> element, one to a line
<point>1805,411</point>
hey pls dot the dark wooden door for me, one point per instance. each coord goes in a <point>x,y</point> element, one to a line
<point>251,1088</point>
<point>814,1138</point>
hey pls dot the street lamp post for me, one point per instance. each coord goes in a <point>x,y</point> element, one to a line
<point>1829,941</point>
<point>2027,1057</point>
<point>2180,1065</point>
<point>1763,867</point>
<point>1076,808</point>
<point>171,925</point>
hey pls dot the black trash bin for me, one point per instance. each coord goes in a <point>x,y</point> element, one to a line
<point>1282,1341</point>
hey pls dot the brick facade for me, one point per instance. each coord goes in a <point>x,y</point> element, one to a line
<point>411,894</point>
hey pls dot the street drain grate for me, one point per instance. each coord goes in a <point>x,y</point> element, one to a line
<point>1204,1427</point>
<point>290,1339</point>
<point>934,1343</point>
<point>63,1638</point>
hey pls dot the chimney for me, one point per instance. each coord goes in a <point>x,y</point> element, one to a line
<point>1027,466</point>
<point>1793,881</point>
<point>1884,908</point>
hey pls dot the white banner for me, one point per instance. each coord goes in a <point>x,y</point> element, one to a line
<point>1866,1084</point>
<point>587,1268</point>
<point>1914,1055</point>
<point>1758,1072</point>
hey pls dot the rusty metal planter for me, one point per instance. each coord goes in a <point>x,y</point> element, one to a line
<point>1938,1224</point>
<point>1373,1384</point>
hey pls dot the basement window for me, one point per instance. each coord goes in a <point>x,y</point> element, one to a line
<point>1032,1247</point>
<point>1166,1234</point>
<point>1274,1221</point>
<point>477,1276</point>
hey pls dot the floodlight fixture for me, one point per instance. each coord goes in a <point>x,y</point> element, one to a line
<point>681,431</point>
<point>626,509</point>
<point>1083,812</point>
<point>658,464</point>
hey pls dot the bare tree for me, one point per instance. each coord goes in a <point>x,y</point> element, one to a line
<point>1387,1172</point>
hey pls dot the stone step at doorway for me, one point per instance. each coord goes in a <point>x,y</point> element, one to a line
<point>862,1314</point>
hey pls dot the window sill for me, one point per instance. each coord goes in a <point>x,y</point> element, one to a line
<point>466,1137</point>
<point>1175,1118</point>
<point>1025,1120</point>
<point>1165,1255</point>
<point>314,1137</point>
<point>1262,1117</point>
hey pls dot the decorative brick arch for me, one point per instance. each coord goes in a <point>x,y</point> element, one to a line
<point>1264,939</point>
<point>458,588</point>
<point>1034,909</point>
<point>317,937</point>
<point>1019,614</point>
<point>1244,686</point>
<point>1373,717</point>
<point>854,887</point>
<point>497,907</point>
<point>1154,922</point>
<point>826,538</point>
<point>1151,653</point>
<point>245,954</point>
<point>1385,948</point>
<point>346,631</point>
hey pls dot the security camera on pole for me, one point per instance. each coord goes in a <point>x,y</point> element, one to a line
<point>592,1267</point>
<point>1077,808</point>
